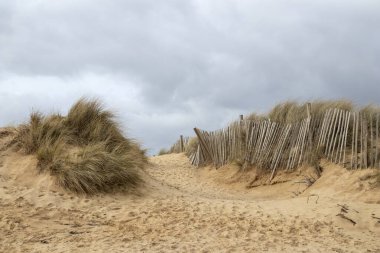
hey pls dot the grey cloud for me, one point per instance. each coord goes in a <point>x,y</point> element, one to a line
<point>170,65</point>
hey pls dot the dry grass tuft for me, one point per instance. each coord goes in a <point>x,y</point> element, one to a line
<point>291,111</point>
<point>256,117</point>
<point>192,146</point>
<point>85,151</point>
<point>370,112</point>
<point>319,107</point>
<point>287,112</point>
<point>94,169</point>
<point>163,151</point>
<point>41,131</point>
<point>90,124</point>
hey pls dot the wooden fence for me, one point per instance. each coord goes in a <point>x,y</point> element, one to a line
<point>180,145</point>
<point>350,139</point>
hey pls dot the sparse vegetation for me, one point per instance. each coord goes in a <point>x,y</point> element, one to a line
<point>163,151</point>
<point>85,151</point>
<point>368,112</point>
<point>256,117</point>
<point>192,146</point>
<point>291,111</point>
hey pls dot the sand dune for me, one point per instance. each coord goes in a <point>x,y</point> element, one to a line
<point>183,209</point>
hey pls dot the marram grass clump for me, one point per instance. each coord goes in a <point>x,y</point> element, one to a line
<point>290,112</point>
<point>163,151</point>
<point>85,151</point>
<point>192,146</point>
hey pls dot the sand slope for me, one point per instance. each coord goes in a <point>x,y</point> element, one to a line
<point>186,210</point>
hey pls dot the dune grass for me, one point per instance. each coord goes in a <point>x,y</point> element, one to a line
<point>192,146</point>
<point>256,117</point>
<point>85,150</point>
<point>163,151</point>
<point>290,112</point>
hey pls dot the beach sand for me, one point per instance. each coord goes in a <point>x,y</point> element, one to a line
<point>184,209</point>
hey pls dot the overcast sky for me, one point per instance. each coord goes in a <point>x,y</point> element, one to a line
<point>167,66</point>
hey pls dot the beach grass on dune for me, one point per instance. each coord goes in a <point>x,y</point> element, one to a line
<point>85,151</point>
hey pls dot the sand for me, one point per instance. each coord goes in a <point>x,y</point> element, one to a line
<point>183,209</point>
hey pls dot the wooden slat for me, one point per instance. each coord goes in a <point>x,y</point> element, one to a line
<point>259,141</point>
<point>327,129</point>
<point>280,148</point>
<point>255,141</point>
<point>353,139</point>
<point>326,138</point>
<point>269,149</point>
<point>332,132</point>
<point>294,138</point>
<point>203,143</point>
<point>361,141</point>
<point>275,139</point>
<point>268,136</point>
<point>306,132</point>
<point>249,143</point>
<point>337,134</point>
<point>295,145</point>
<point>356,139</point>
<point>344,147</point>
<point>340,137</point>
<point>323,129</point>
<point>302,135</point>
<point>298,145</point>
<point>182,144</point>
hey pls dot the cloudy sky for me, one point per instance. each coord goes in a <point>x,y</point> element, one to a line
<point>167,66</point>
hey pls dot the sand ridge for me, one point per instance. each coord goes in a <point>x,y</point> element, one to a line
<point>182,209</point>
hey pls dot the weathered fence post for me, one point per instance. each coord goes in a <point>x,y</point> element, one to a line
<point>308,109</point>
<point>182,146</point>
<point>203,143</point>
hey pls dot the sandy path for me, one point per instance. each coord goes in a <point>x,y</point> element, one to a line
<point>181,211</point>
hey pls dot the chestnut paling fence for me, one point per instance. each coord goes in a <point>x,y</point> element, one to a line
<point>180,145</point>
<point>350,139</point>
